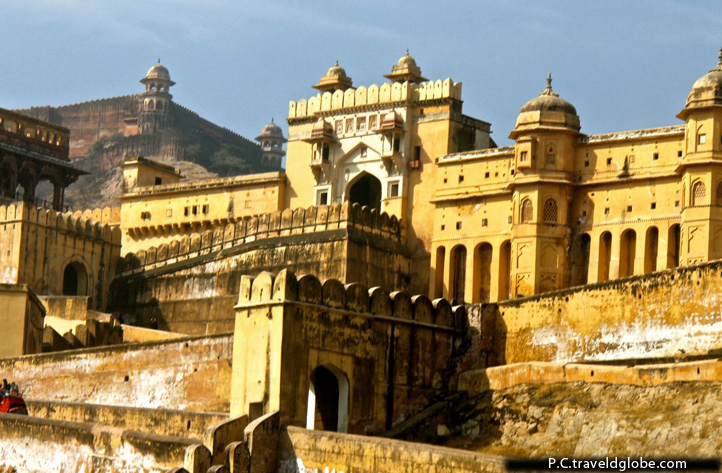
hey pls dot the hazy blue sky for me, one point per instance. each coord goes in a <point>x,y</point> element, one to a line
<point>623,64</point>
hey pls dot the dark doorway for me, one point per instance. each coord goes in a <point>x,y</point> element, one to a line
<point>75,280</point>
<point>326,388</point>
<point>366,191</point>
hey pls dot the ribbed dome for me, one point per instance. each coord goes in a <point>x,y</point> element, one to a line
<point>406,60</point>
<point>158,71</point>
<point>707,90</point>
<point>334,79</point>
<point>405,70</point>
<point>272,130</point>
<point>336,71</point>
<point>548,101</point>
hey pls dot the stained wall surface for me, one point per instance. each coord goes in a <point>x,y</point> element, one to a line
<point>190,373</point>
<point>670,313</point>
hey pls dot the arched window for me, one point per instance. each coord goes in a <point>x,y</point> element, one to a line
<point>527,211</point>
<point>719,193</point>
<point>551,211</point>
<point>698,193</point>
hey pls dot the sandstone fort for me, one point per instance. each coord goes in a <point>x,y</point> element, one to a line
<point>372,286</point>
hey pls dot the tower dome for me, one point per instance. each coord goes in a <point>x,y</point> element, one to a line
<point>707,90</point>
<point>335,79</point>
<point>406,70</point>
<point>547,109</point>
<point>271,131</point>
<point>158,73</point>
<point>271,140</point>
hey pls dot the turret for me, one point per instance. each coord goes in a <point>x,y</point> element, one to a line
<point>155,99</point>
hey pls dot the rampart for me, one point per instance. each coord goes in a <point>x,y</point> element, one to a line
<point>190,285</point>
<point>34,444</point>
<point>374,94</point>
<point>40,244</point>
<point>664,314</point>
<point>306,450</point>
<point>175,423</point>
<point>188,373</point>
<point>391,353</point>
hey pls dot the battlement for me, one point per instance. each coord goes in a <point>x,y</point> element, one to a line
<point>353,297</point>
<point>268,225</point>
<point>97,223</point>
<point>374,94</point>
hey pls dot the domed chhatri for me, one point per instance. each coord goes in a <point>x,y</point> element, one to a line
<point>335,79</point>
<point>707,90</point>
<point>548,101</point>
<point>406,70</point>
<point>547,110</point>
<point>158,72</point>
<point>271,130</point>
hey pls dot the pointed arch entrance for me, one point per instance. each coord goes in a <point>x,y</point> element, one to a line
<point>365,190</point>
<point>328,395</point>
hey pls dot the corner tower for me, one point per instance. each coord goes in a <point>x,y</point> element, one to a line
<point>155,100</point>
<point>272,139</point>
<point>701,170</point>
<point>542,187</point>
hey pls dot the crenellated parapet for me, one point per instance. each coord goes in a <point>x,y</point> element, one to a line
<point>384,94</point>
<point>314,219</point>
<point>97,224</point>
<point>353,297</point>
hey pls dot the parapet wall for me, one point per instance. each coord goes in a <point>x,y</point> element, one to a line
<point>656,315</point>
<point>374,94</point>
<point>307,450</point>
<point>188,373</point>
<point>503,377</point>
<point>34,444</point>
<point>269,225</point>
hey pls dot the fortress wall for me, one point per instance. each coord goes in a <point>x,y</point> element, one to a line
<point>663,314</point>
<point>190,286</point>
<point>43,242</point>
<point>503,377</point>
<point>394,350</point>
<point>310,450</point>
<point>34,444</point>
<point>189,373</point>
<point>158,421</point>
<point>91,120</point>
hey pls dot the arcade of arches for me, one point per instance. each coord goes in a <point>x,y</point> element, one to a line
<point>482,273</point>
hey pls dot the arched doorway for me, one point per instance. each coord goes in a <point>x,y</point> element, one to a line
<point>673,246</point>
<point>366,190</point>
<point>582,260</point>
<point>482,273</point>
<point>504,271</point>
<point>458,273</point>
<point>328,395</point>
<point>605,255</point>
<point>627,253</point>
<point>75,280</point>
<point>651,249</point>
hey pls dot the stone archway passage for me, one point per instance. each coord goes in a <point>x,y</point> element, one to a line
<point>75,280</point>
<point>328,396</point>
<point>366,191</point>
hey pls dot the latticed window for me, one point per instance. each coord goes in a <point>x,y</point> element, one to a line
<point>551,211</point>
<point>698,193</point>
<point>527,211</point>
<point>719,193</point>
